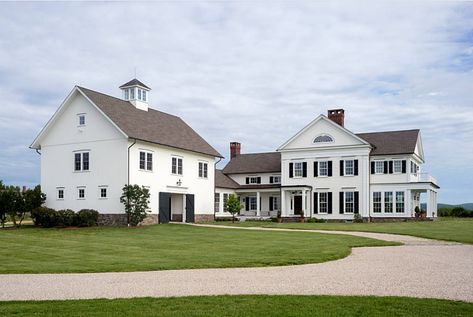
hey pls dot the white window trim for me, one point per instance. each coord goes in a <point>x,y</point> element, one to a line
<point>204,163</point>
<point>79,115</point>
<point>319,196</point>
<point>81,152</point>
<point>177,157</point>
<point>63,193</point>
<point>320,169</point>
<point>253,180</point>
<point>294,169</point>
<point>100,192</point>
<point>345,173</point>
<point>250,203</point>
<point>393,203</point>
<point>376,167</point>
<point>394,166</point>
<point>78,192</point>
<point>146,160</point>
<point>403,202</point>
<point>278,199</point>
<point>345,202</point>
<point>380,202</point>
<point>274,179</point>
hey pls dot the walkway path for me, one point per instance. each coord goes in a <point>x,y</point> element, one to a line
<point>420,268</point>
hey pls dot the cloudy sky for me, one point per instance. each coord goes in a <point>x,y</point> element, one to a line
<point>249,71</point>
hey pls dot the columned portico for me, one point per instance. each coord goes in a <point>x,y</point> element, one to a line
<point>295,200</point>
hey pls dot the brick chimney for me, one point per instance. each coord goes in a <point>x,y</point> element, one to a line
<point>337,116</point>
<point>23,190</point>
<point>235,149</point>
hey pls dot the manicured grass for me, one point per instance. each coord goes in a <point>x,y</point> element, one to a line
<point>252,305</point>
<point>450,229</point>
<point>164,247</point>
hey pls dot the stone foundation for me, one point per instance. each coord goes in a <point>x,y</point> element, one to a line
<point>151,219</point>
<point>112,220</point>
<point>204,218</point>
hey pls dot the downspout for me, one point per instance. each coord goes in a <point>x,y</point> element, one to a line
<point>37,151</point>
<point>128,172</point>
<point>215,187</point>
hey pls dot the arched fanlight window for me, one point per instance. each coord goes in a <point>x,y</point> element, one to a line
<point>323,138</point>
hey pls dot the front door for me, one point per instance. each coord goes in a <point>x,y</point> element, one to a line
<point>164,207</point>
<point>297,205</point>
<point>190,208</point>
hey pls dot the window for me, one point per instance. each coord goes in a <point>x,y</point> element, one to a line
<point>349,168</point>
<point>377,202</point>
<point>254,180</point>
<point>217,202</point>
<point>323,168</point>
<point>177,165</point>
<point>132,93</point>
<point>60,193</point>
<point>388,202</point>
<point>144,95</point>
<point>323,203</point>
<point>397,166</point>
<point>203,170</point>
<point>414,168</point>
<point>379,167</point>
<point>103,191</point>
<point>146,161</point>
<point>276,179</point>
<point>139,94</point>
<point>400,202</point>
<point>81,119</point>
<point>253,203</point>
<point>225,199</point>
<point>298,169</point>
<point>276,204</point>
<point>81,161</point>
<point>323,139</point>
<point>81,192</point>
<point>349,202</point>
<point>127,94</point>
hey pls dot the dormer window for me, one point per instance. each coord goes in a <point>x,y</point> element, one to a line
<point>81,118</point>
<point>323,138</point>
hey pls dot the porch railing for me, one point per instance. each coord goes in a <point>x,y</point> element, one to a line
<point>423,177</point>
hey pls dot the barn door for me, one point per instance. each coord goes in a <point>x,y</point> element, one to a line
<point>190,208</point>
<point>164,207</point>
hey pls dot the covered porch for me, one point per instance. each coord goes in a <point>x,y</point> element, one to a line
<point>296,201</point>
<point>259,203</point>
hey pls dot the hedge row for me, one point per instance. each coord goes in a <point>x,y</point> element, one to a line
<point>455,212</point>
<point>48,217</point>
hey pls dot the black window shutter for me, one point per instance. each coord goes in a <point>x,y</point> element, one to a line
<point>372,167</point>
<point>291,170</point>
<point>341,202</point>
<point>259,180</point>
<point>390,167</point>
<point>357,202</point>
<point>247,203</point>
<point>355,169</point>
<point>271,179</point>
<point>403,166</point>
<point>341,167</point>
<point>329,202</point>
<point>329,168</point>
<point>385,167</point>
<point>316,203</point>
<point>316,169</point>
<point>270,203</point>
<point>304,169</point>
<point>247,180</point>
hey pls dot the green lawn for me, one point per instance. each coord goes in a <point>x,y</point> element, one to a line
<point>286,306</point>
<point>164,247</point>
<point>450,229</point>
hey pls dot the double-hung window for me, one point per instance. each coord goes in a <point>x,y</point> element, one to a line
<point>298,169</point>
<point>146,161</point>
<point>349,168</point>
<point>253,180</point>
<point>323,168</point>
<point>397,166</point>
<point>323,203</point>
<point>388,202</point>
<point>176,166</point>
<point>377,202</point>
<point>349,202</point>
<point>400,202</point>
<point>203,169</point>
<point>81,161</point>
<point>217,202</point>
<point>276,204</point>
<point>102,192</point>
<point>276,179</point>
<point>253,203</point>
<point>80,192</point>
<point>60,193</point>
<point>379,167</point>
<point>225,200</point>
<point>81,117</point>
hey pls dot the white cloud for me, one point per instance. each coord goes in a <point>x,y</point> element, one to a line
<point>249,71</point>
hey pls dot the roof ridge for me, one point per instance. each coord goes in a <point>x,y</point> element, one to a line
<point>407,130</point>
<point>256,153</point>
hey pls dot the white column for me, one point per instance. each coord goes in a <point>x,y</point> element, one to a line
<point>258,207</point>
<point>303,201</point>
<point>429,203</point>
<point>409,204</point>
<point>184,208</point>
<point>221,207</point>
<point>283,202</point>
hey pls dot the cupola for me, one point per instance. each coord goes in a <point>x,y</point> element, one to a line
<point>136,93</point>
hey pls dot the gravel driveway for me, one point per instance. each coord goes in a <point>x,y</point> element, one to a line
<point>420,268</point>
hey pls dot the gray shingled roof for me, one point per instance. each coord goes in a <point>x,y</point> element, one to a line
<point>391,142</point>
<point>254,163</point>
<point>151,126</point>
<point>134,82</point>
<point>223,181</point>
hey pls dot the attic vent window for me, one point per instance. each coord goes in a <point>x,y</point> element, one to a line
<point>324,138</point>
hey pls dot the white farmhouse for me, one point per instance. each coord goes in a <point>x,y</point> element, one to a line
<point>95,144</point>
<point>328,172</point>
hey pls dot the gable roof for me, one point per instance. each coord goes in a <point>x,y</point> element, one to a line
<point>223,181</point>
<point>392,142</point>
<point>134,82</point>
<point>254,163</point>
<point>151,126</point>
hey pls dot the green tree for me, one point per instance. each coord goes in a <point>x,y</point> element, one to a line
<point>17,204</point>
<point>136,200</point>
<point>233,206</point>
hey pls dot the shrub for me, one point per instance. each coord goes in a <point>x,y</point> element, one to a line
<point>315,220</point>
<point>45,217</point>
<point>67,217</point>
<point>358,218</point>
<point>136,200</point>
<point>87,218</point>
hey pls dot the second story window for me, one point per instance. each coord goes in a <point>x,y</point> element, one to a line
<point>275,179</point>
<point>379,167</point>
<point>81,193</point>
<point>81,118</point>
<point>203,170</point>
<point>298,169</point>
<point>176,166</point>
<point>81,161</point>
<point>323,168</point>
<point>397,166</point>
<point>349,168</point>
<point>146,161</point>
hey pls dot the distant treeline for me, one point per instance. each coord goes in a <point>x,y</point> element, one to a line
<point>455,212</point>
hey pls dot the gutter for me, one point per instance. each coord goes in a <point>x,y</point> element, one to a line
<point>215,186</point>
<point>128,162</point>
